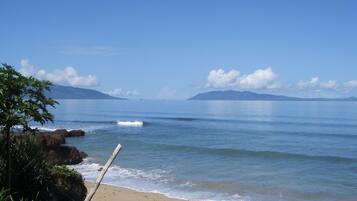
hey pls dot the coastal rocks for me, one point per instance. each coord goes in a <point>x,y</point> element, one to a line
<point>64,155</point>
<point>65,133</point>
<point>56,152</point>
<point>59,131</point>
<point>54,149</point>
<point>55,139</point>
<point>75,133</point>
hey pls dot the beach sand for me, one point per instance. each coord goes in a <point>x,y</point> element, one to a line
<point>113,193</point>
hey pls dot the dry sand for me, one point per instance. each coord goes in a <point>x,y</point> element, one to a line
<point>113,193</point>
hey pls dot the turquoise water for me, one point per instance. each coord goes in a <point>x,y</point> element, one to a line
<point>258,151</point>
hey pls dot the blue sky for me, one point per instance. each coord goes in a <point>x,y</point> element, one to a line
<point>174,49</point>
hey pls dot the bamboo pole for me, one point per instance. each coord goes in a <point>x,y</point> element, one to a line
<point>102,173</point>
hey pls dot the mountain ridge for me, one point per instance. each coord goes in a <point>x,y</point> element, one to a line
<point>251,96</point>
<point>69,92</point>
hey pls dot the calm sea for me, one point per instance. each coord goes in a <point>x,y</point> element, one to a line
<point>215,150</point>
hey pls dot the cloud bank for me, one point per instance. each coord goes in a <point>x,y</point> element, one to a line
<point>259,79</point>
<point>315,84</point>
<point>351,84</point>
<point>122,93</point>
<point>267,79</point>
<point>66,76</point>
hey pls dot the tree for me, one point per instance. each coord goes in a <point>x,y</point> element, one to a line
<point>22,100</point>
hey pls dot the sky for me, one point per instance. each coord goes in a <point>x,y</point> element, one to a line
<point>173,49</point>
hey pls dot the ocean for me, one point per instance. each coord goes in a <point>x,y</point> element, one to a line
<point>220,150</point>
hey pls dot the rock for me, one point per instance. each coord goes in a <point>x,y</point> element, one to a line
<point>55,152</point>
<point>68,185</point>
<point>60,131</point>
<point>64,155</point>
<point>83,154</point>
<point>75,133</point>
<point>58,154</point>
<point>49,140</point>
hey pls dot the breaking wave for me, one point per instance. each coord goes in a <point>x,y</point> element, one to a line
<point>131,123</point>
<point>155,181</point>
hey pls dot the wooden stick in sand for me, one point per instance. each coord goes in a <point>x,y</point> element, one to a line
<point>102,173</point>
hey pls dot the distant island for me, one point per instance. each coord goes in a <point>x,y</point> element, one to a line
<point>251,96</point>
<point>67,92</point>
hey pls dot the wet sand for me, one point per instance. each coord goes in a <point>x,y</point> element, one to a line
<point>113,193</point>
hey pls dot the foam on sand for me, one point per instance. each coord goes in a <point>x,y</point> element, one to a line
<point>153,181</point>
<point>131,123</point>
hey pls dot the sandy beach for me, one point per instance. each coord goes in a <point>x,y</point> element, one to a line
<point>113,193</point>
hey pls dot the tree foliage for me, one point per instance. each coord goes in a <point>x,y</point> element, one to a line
<point>22,100</point>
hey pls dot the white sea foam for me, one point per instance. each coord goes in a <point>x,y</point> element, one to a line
<point>87,129</point>
<point>44,128</point>
<point>36,127</point>
<point>131,123</point>
<point>150,181</point>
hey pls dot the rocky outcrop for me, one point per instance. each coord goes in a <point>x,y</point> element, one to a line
<point>54,139</point>
<point>64,155</point>
<point>45,156</point>
<point>56,152</point>
<point>75,133</point>
<point>53,145</point>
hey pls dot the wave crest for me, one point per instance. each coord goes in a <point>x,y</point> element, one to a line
<point>131,123</point>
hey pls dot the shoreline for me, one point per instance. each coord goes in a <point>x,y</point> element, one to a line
<point>108,192</point>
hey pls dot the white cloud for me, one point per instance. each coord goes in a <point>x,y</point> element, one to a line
<point>66,76</point>
<point>219,79</point>
<point>308,84</point>
<point>27,69</point>
<point>122,93</point>
<point>331,84</point>
<point>315,84</point>
<point>350,84</point>
<point>259,79</point>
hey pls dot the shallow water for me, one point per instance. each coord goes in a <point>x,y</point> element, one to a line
<point>257,150</point>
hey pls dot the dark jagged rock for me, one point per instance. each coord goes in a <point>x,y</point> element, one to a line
<point>83,154</point>
<point>55,151</point>
<point>49,140</point>
<point>64,155</point>
<point>75,133</point>
<point>60,131</point>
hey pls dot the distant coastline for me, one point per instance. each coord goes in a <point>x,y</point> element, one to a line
<point>231,95</point>
<point>68,92</point>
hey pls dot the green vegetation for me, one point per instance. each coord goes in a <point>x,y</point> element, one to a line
<point>24,172</point>
<point>5,196</point>
<point>22,100</point>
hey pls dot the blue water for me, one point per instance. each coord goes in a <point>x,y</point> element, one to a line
<point>258,151</point>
